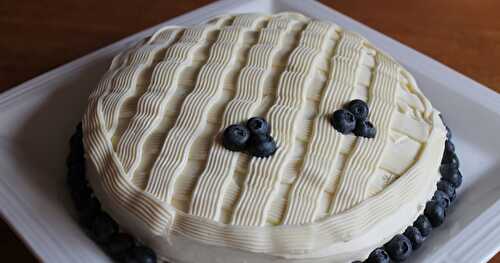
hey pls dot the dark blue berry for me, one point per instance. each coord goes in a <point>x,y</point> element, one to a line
<point>449,147</point>
<point>235,137</point>
<point>453,176</point>
<point>379,255</point>
<point>435,212</point>
<point>76,143</point>
<point>258,125</point>
<point>140,254</point>
<point>423,224</point>
<point>448,133</point>
<point>119,243</point>
<point>398,248</point>
<point>81,196</point>
<point>77,136</point>
<point>343,121</point>
<point>448,189</point>
<point>449,163</point>
<point>365,129</point>
<point>416,239</point>
<point>75,157</point>
<point>442,198</point>
<point>103,227</point>
<point>359,109</point>
<point>450,159</point>
<point>88,212</point>
<point>262,146</point>
<point>76,176</point>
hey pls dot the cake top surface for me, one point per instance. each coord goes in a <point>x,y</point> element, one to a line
<point>153,126</point>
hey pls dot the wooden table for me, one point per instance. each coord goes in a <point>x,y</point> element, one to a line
<point>37,36</point>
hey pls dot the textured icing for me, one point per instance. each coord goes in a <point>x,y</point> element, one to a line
<point>152,128</point>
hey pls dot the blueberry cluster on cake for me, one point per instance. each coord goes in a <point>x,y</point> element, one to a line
<point>260,138</point>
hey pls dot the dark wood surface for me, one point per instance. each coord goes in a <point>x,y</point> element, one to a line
<point>37,36</point>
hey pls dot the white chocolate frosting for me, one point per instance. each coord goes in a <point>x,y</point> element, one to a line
<point>156,162</point>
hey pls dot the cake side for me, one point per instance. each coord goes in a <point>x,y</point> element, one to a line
<point>152,125</point>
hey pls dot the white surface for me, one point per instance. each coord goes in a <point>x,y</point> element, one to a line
<point>37,118</point>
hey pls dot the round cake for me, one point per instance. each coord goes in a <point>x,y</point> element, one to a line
<point>348,158</point>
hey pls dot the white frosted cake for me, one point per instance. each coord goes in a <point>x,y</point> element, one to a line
<point>158,163</point>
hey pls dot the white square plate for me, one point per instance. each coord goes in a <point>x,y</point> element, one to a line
<point>38,117</point>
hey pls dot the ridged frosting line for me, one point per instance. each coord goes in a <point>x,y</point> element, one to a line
<point>367,153</point>
<point>120,59</point>
<point>264,173</point>
<point>209,191</point>
<point>137,67</point>
<point>150,55</point>
<point>325,144</point>
<point>164,81</point>
<point>100,151</point>
<point>193,115</point>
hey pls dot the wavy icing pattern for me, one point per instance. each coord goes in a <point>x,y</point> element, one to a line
<point>368,153</point>
<point>216,175</point>
<point>264,173</point>
<point>192,116</point>
<point>320,198</point>
<point>151,105</point>
<point>324,147</point>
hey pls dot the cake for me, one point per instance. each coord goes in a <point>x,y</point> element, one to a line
<point>260,138</point>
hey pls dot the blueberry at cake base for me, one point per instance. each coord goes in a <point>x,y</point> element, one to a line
<point>260,138</point>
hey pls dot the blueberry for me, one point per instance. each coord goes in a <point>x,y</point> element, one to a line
<point>449,146</point>
<point>442,198</point>
<point>119,243</point>
<point>398,248</point>
<point>258,125</point>
<point>81,196</point>
<point>103,227</point>
<point>262,146</point>
<point>449,157</point>
<point>445,169</point>
<point>435,212</point>
<point>343,121</point>
<point>88,212</point>
<point>76,142</point>
<point>235,137</point>
<point>453,176</point>
<point>140,254</point>
<point>359,109</point>
<point>76,138</point>
<point>413,234</point>
<point>423,224</point>
<point>365,129</point>
<point>449,162</point>
<point>448,189</point>
<point>76,176</point>
<point>75,156</point>
<point>379,255</point>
